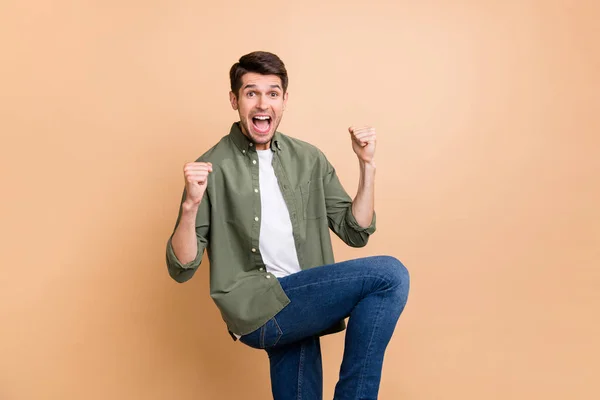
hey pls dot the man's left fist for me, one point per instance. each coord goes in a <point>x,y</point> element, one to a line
<point>363,142</point>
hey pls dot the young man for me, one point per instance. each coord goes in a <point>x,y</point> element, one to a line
<point>262,204</point>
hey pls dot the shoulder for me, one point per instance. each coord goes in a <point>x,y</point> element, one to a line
<point>303,149</point>
<point>222,150</point>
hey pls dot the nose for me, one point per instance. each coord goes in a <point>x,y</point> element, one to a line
<point>262,103</point>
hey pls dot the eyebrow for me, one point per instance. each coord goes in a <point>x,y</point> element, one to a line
<point>252,86</point>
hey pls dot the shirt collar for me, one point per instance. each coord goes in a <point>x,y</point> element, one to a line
<point>244,144</point>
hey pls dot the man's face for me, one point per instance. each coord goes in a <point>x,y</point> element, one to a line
<point>260,104</point>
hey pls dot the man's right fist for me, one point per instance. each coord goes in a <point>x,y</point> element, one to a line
<point>196,179</point>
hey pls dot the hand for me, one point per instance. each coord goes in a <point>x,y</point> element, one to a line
<point>196,179</point>
<point>363,143</point>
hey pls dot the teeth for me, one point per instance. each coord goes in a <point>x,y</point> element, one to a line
<point>262,117</point>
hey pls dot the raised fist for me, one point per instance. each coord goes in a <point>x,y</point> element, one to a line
<point>196,179</point>
<point>363,142</point>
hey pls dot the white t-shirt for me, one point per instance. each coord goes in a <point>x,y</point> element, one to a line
<point>276,240</point>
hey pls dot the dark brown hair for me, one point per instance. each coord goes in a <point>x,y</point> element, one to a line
<point>260,62</point>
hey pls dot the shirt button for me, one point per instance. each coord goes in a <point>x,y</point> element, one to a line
<point>250,144</point>
<point>255,190</point>
<point>268,276</point>
<point>261,269</point>
<point>253,250</point>
<point>253,161</point>
<point>256,218</point>
<point>244,151</point>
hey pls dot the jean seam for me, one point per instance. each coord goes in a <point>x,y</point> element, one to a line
<point>261,343</point>
<point>280,332</point>
<point>368,355</point>
<point>300,372</point>
<point>334,280</point>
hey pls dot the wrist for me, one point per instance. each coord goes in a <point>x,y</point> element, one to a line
<point>367,165</point>
<point>189,206</point>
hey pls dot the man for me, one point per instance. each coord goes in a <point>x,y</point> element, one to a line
<point>262,204</point>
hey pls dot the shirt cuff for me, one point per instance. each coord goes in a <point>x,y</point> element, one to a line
<point>174,261</point>
<point>354,225</point>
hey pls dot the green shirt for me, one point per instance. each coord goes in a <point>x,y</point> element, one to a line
<point>229,217</point>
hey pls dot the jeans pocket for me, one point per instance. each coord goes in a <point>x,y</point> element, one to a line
<point>270,334</point>
<point>264,337</point>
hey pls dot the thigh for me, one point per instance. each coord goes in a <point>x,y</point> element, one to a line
<point>321,297</point>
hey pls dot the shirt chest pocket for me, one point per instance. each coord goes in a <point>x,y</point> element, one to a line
<point>313,199</point>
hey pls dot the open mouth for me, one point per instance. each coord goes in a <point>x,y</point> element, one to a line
<point>261,123</point>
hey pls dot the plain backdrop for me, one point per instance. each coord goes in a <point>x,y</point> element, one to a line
<point>488,188</point>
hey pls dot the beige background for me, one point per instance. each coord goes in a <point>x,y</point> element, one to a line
<point>488,188</point>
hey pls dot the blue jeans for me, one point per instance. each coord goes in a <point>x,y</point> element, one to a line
<point>371,291</point>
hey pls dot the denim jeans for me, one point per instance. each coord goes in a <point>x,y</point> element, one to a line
<point>371,291</point>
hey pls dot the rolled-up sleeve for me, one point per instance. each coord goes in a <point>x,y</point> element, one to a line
<point>339,212</point>
<point>183,272</point>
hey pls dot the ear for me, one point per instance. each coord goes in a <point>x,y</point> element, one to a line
<point>285,99</point>
<point>233,100</point>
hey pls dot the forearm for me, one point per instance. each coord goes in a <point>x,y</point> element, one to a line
<point>364,203</point>
<point>184,241</point>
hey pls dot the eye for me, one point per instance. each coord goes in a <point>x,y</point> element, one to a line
<point>250,94</point>
<point>274,94</point>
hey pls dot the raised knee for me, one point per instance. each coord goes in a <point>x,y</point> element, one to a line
<point>394,271</point>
